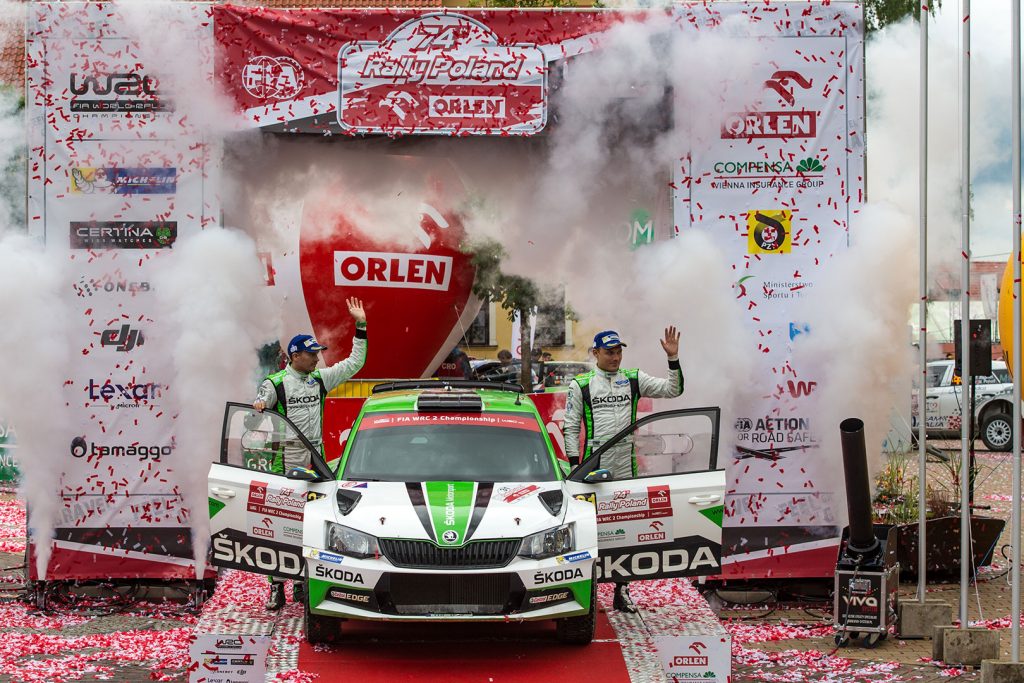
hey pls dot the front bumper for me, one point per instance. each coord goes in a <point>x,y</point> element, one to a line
<point>377,590</point>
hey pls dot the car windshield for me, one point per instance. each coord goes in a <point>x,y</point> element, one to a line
<point>449,447</point>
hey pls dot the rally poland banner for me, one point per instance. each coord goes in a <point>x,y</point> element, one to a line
<point>464,72</point>
<point>118,174</point>
<point>773,179</point>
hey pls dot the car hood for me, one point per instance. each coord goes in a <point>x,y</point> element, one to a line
<point>450,513</point>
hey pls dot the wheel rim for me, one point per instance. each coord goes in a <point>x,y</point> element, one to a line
<point>998,433</point>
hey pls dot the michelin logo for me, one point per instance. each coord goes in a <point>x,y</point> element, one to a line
<point>574,557</point>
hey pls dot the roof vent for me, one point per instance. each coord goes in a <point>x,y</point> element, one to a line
<point>455,401</point>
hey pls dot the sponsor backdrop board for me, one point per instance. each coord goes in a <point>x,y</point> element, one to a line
<point>228,658</point>
<point>773,180</point>
<point>119,174</point>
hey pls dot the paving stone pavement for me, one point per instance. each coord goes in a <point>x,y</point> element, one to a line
<point>892,660</point>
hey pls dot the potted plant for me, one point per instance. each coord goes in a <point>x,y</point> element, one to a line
<point>896,515</point>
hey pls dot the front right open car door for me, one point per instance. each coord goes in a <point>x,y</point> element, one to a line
<point>666,520</point>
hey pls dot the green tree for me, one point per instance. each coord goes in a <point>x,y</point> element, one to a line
<point>880,13</point>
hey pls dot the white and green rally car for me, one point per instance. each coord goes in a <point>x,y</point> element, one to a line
<point>449,504</point>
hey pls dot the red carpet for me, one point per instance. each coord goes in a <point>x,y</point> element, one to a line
<point>470,653</point>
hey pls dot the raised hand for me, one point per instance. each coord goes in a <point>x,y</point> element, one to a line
<point>355,308</point>
<point>671,341</point>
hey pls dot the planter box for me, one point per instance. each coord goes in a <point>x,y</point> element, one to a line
<point>943,537</point>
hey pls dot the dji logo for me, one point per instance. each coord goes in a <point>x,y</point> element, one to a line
<point>123,339</point>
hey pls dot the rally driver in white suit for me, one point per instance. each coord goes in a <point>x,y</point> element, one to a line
<point>298,393</point>
<point>604,401</point>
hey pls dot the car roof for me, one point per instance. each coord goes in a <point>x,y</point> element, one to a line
<point>493,400</point>
<point>1000,364</point>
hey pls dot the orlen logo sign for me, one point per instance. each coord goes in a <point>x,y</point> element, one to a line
<point>658,497</point>
<point>796,123</point>
<point>400,271</point>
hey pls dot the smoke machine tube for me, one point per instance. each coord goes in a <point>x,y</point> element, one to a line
<point>858,489</point>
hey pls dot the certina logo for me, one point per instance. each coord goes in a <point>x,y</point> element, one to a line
<point>130,392</point>
<point>775,124</point>
<point>80,448</point>
<point>558,575</point>
<point>398,271</point>
<point>612,399</point>
<point>341,575</point>
<point>108,284</point>
<point>122,86</point>
<point>123,234</point>
<point>273,78</point>
<point>257,557</point>
<point>124,338</point>
<point>303,400</point>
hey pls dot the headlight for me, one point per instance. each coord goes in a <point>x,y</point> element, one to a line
<point>557,541</point>
<point>350,542</point>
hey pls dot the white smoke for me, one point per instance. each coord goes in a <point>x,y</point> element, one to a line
<point>215,311</point>
<point>35,333</point>
<point>858,342</point>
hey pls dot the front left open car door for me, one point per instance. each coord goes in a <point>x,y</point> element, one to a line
<point>256,511</point>
<point>666,519</point>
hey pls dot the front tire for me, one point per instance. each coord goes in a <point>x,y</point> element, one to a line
<point>997,432</point>
<point>579,630</point>
<point>320,629</point>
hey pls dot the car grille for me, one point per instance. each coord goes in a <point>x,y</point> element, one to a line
<point>450,594</point>
<point>426,555</point>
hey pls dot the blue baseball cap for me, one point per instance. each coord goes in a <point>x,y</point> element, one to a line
<point>608,339</point>
<point>304,342</point>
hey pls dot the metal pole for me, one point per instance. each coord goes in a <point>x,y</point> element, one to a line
<point>965,300</point>
<point>922,337</point>
<point>1015,56</point>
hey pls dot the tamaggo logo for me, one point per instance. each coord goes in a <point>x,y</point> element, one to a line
<point>273,78</point>
<point>398,271</point>
<point>80,448</point>
<point>769,232</point>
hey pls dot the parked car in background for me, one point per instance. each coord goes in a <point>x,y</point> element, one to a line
<point>558,373</point>
<point>945,398</point>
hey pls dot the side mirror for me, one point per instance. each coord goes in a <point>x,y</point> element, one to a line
<point>302,474</point>
<point>598,475</point>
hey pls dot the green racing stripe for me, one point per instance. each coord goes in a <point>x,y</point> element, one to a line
<point>451,505</point>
